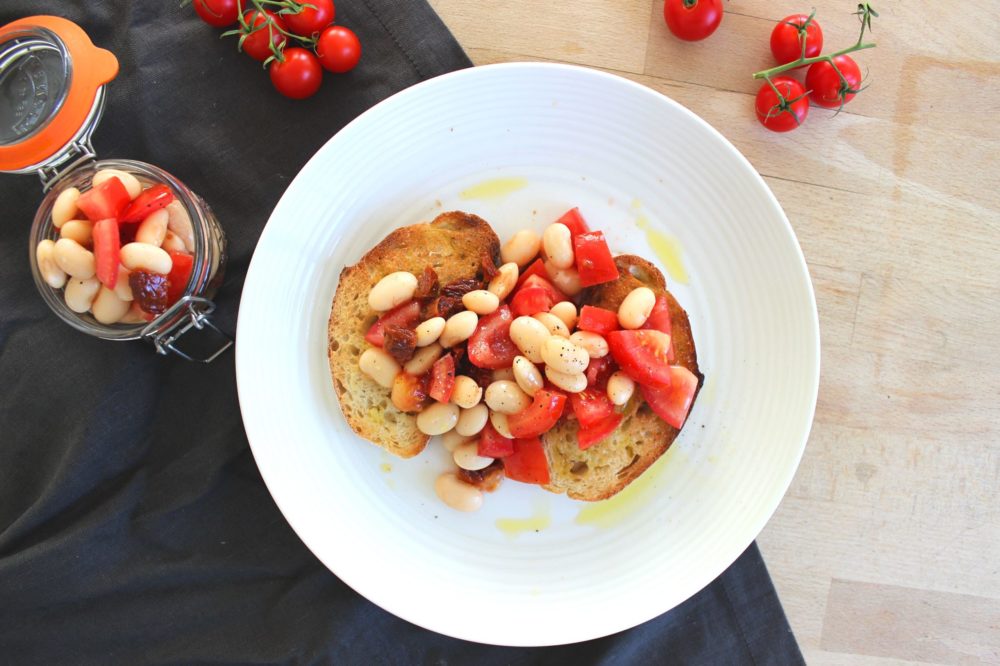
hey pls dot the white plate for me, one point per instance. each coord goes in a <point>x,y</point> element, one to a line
<point>562,136</point>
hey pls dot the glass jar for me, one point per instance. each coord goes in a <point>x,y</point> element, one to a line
<point>52,82</point>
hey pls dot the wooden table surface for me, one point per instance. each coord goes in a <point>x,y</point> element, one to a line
<point>886,549</point>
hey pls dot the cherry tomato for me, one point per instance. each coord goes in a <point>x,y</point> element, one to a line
<point>299,75</point>
<point>659,320</point>
<point>527,463</point>
<point>642,355</point>
<point>106,200</point>
<point>530,301</point>
<point>492,444</point>
<point>672,403</point>
<point>782,115</point>
<point>826,87</point>
<point>692,20</point>
<point>537,281</point>
<point>591,406</point>
<point>574,220</point>
<point>405,314</point>
<point>540,416</point>
<point>537,267</point>
<point>180,273</point>
<point>339,49</point>
<point>107,251</point>
<point>599,431</point>
<point>787,36</point>
<point>218,13</point>
<point>149,201</point>
<point>443,378</point>
<point>311,19</point>
<point>593,259</point>
<point>597,320</point>
<point>256,41</point>
<point>599,371</point>
<point>490,345</point>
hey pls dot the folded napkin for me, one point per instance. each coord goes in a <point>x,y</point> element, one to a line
<point>134,525</point>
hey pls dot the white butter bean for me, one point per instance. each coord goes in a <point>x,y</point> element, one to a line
<point>378,365</point>
<point>557,241</point>
<point>74,259</point>
<point>179,222</point>
<point>107,308</point>
<point>459,328</point>
<point>122,288</point>
<point>146,257</point>
<point>429,331</point>
<point>529,335</point>
<point>522,248</point>
<point>423,359</point>
<point>527,375</point>
<point>571,383</point>
<point>131,183</point>
<point>504,281</point>
<point>481,302</point>
<point>553,324</point>
<point>438,419</point>
<point>499,423</point>
<point>458,494</point>
<point>566,280</point>
<point>467,392</point>
<point>53,275</point>
<point>471,421</point>
<point>452,440</point>
<point>635,309</point>
<point>64,208</point>
<point>80,294</point>
<point>506,397</point>
<point>393,289</point>
<point>620,388</point>
<point>135,315</point>
<point>153,229</point>
<point>565,311</point>
<point>501,374</point>
<point>594,343</point>
<point>467,457</point>
<point>562,355</point>
<point>173,243</point>
<point>81,231</point>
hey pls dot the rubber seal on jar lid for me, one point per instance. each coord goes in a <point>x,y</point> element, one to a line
<point>51,80</point>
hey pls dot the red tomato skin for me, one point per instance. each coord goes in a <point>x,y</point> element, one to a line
<point>255,44</point>
<point>537,267</point>
<point>597,432</point>
<point>527,302</point>
<point>540,416</point>
<point>443,378</point>
<point>217,13</point>
<point>574,220</point>
<point>180,273</point>
<point>825,85</point>
<point>490,346</point>
<point>692,23</point>
<point>597,320</point>
<point>786,40</point>
<point>527,463</point>
<point>405,314</point>
<point>149,201</point>
<point>672,403</point>
<point>591,406</point>
<point>299,75</point>
<point>593,259</point>
<point>311,19</point>
<point>106,200</point>
<point>107,251</point>
<point>766,105</point>
<point>494,445</point>
<point>537,281</point>
<point>642,354</point>
<point>339,49</point>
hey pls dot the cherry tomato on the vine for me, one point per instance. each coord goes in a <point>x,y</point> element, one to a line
<point>299,75</point>
<point>782,115</point>
<point>218,13</point>
<point>312,18</point>
<point>339,49</point>
<point>829,90</point>
<point>786,38</point>
<point>692,20</point>
<point>256,43</point>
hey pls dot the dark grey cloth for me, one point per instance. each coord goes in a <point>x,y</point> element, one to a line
<point>134,526</point>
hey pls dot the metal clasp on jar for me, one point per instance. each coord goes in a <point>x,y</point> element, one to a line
<point>188,314</point>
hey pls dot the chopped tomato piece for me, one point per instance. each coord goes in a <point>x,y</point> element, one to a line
<point>599,371</point>
<point>572,219</point>
<point>106,200</point>
<point>406,314</point>
<point>537,267</point>
<point>537,281</point>
<point>149,201</point>
<point>527,302</point>
<point>659,320</point>
<point>538,417</point>
<point>672,403</point>
<point>180,273</point>
<point>494,445</point>
<point>443,378</point>
<point>490,345</point>
<point>409,393</point>
<point>591,406</point>
<point>597,320</point>
<point>642,355</point>
<point>527,463</point>
<point>587,437</point>
<point>107,251</point>
<point>593,259</point>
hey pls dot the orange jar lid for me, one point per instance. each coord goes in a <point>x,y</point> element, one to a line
<point>51,89</point>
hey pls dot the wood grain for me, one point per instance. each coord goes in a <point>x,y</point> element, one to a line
<point>888,539</point>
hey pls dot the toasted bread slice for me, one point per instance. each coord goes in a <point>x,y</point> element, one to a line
<point>607,467</point>
<point>453,244</point>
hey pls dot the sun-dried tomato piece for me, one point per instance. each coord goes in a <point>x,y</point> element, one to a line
<point>427,284</point>
<point>149,290</point>
<point>489,267</point>
<point>459,288</point>
<point>487,479</point>
<point>400,342</point>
